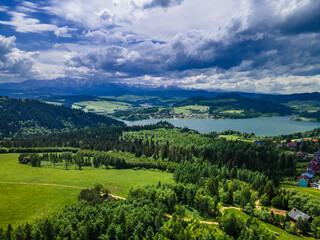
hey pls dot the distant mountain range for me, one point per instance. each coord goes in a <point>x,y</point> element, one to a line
<point>71,86</point>
<point>76,86</point>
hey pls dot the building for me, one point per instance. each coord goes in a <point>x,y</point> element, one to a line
<point>309,174</point>
<point>303,181</point>
<point>295,214</point>
<point>291,144</point>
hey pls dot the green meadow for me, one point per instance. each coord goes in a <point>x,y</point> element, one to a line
<point>28,192</point>
<point>101,107</point>
<point>308,190</point>
<point>233,111</point>
<point>190,109</point>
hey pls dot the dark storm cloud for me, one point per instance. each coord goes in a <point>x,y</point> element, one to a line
<point>284,54</point>
<point>144,59</point>
<point>304,20</point>
<point>276,44</point>
<point>162,3</point>
<point>252,40</point>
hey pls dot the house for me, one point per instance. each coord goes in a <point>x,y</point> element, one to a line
<point>303,181</point>
<point>291,144</point>
<point>309,174</point>
<point>295,214</point>
<point>314,166</point>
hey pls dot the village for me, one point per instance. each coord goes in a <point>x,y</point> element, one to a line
<point>306,179</point>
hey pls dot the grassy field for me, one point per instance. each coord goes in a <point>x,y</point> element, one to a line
<point>54,103</point>
<point>27,192</point>
<point>22,202</point>
<point>190,109</point>
<point>304,119</point>
<point>308,190</point>
<point>233,111</point>
<point>283,234</point>
<point>237,138</point>
<point>101,107</point>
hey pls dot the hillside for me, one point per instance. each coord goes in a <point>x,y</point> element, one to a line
<point>235,106</point>
<point>22,117</point>
<point>311,116</point>
<point>315,96</point>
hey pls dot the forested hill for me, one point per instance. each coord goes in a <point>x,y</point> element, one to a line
<point>22,118</point>
<point>315,96</point>
<point>250,107</point>
<point>311,115</point>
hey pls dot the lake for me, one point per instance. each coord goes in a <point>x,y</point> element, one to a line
<point>268,126</point>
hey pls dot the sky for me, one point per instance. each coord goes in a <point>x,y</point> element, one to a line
<point>270,46</point>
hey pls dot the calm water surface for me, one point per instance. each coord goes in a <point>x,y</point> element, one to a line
<point>269,126</point>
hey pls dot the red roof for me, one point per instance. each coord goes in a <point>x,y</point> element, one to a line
<point>291,144</point>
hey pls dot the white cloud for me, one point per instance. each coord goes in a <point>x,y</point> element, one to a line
<point>248,44</point>
<point>15,62</point>
<point>22,23</point>
<point>64,32</point>
<point>4,8</point>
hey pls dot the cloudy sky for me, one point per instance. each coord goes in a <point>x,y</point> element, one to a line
<point>243,45</point>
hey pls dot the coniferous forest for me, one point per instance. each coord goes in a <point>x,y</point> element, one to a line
<point>222,189</point>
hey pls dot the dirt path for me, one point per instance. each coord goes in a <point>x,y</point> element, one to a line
<point>189,220</point>
<point>56,185</point>
<point>117,197</point>
<point>225,208</point>
<point>43,184</point>
<point>274,210</point>
<point>279,211</point>
<point>257,203</point>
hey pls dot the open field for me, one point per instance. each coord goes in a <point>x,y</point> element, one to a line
<point>283,234</point>
<point>308,190</point>
<point>24,202</point>
<point>233,111</point>
<point>189,109</point>
<point>54,103</point>
<point>27,192</point>
<point>304,119</point>
<point>237,138</point>
<point>102,107</point>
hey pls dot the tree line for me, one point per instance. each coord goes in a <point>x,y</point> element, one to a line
<point>244,155</point>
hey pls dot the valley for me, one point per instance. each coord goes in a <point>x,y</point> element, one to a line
<point>188,163</point>
<point>160,120</point>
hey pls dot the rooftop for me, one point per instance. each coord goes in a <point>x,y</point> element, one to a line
<point>296,214</point>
